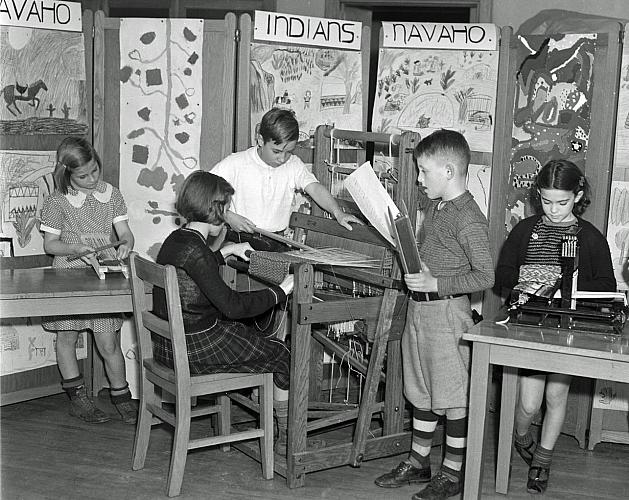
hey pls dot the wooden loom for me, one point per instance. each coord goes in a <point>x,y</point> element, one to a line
<point>312,310</point>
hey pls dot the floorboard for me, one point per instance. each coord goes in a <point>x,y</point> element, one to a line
<point>47,454</point>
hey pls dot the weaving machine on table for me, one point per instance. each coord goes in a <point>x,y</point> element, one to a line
<point>548,297</point>
<point>326,296</point>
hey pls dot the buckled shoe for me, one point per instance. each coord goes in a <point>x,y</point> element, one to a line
<point>537,481</point>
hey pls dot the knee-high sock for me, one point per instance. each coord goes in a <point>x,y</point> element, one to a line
<point>424,425</point>
<point>456,443</point>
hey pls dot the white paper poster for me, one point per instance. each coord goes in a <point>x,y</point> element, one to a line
<point>25,181</point>
<point>424,90</point>
<point>321,85</point>
<point>160,121</point>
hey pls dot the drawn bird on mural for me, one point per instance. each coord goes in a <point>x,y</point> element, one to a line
<point>10,96</point>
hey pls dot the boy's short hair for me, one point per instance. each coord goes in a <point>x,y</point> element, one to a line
<point>279,125</point>
<point>203,197</point>
<point>446,143</point>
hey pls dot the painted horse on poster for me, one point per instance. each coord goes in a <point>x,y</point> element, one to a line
<point>13,93</point>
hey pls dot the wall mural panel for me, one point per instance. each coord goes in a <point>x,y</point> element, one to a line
<point>551,111</point>
<point>160,121</point>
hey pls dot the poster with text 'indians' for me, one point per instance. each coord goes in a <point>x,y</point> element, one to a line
<point>618,221</point>
<point>25,181</point>
<point>424,90</point>
<point>42,77</point>
<point>553,97</point>
<point>321,85</point>
<point>160,121</point>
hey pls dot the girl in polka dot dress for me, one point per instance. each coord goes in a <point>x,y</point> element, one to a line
<point>84,206</point>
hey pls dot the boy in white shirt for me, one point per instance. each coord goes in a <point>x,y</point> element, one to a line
<point>266,176</point>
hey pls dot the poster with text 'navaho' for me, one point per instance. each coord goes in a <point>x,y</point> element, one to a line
<point>433,76</point>
<point>320,79</point>
<point>160,121</point>
<point>42,82</point>
<point>553,98</point>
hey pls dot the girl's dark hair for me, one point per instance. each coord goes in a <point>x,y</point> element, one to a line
<point>203,197</point>
<point>73,153</point>
<point>563,175</point>
<point>279,125</point>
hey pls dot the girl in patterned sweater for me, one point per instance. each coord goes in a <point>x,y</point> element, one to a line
<point>561,193</point>
<point>84,206</point>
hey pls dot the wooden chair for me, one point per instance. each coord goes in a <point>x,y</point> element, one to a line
<point>184,386</point>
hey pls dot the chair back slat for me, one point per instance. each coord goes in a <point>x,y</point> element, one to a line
<point>146,273</point>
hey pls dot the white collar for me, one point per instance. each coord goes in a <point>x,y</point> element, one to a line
<point>102,193</point>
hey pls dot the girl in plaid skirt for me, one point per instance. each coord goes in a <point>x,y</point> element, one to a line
<point>217,341</point>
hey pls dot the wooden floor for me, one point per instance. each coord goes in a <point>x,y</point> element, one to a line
<point>46,454</point>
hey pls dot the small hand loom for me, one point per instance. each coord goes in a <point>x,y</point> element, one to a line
<point>101,266</point>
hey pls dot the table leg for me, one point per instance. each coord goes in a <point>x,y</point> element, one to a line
<point>479,382</point>
<point>505,434</point>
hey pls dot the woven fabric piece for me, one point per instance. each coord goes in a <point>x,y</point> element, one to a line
<point>539,273</point>
<point>271,267</point>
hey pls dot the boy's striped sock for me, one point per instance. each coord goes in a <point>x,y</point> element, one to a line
<point>542,457</point>
<point>424,425</point>
<point>456,444</point>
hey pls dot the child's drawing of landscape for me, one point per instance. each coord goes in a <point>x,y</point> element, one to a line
<point>424,90</point>
<point>618,221</point>
<point>160,121</point>
<point>25,181</point>
<point>321,85</point>
<point>42,82</point>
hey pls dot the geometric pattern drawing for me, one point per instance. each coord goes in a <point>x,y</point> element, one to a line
<point>321,85</point>
<point>160,121</point>
<point>424,90</point>
<point>554,87</point>
<point>42,82</point>
<point>25,181</point>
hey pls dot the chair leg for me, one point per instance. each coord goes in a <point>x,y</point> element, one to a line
<point>143,429</point>
<point>267,453</point>
<point>225,419</point>
<point>179,453</point>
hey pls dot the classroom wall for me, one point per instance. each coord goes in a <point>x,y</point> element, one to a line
<point>514,12</point>
<point>504,12</point>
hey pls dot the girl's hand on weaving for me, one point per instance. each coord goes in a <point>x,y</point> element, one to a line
<point>78,248</point>
<point>123,251</point>
<point>422,281</point>
<point>287,284</point>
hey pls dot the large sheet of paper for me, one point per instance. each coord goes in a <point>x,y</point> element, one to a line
<point>372,199</point>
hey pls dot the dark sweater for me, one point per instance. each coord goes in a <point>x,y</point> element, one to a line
<point>596,273</point>
<point>205,297</point>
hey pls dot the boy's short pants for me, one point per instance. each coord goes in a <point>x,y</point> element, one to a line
<point>435,360</point>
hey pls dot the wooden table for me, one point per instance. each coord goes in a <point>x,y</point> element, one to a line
<point>513,347</point>
<point>54,292</point>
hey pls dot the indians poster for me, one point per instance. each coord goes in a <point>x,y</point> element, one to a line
<point>321,85</point>
<point>42,77</point>
<point>160,121</point>
<point>554,86</point>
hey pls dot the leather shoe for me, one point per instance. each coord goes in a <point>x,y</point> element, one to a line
<point>537,480</point>
<point>440,488</point>
<point>526,452</point>
<point>405,473</point>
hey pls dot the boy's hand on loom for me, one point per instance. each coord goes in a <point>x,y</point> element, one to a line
<point>345,220</point>
<point>239,223</point>
<point>423,281</point>
<point>287,284</point>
